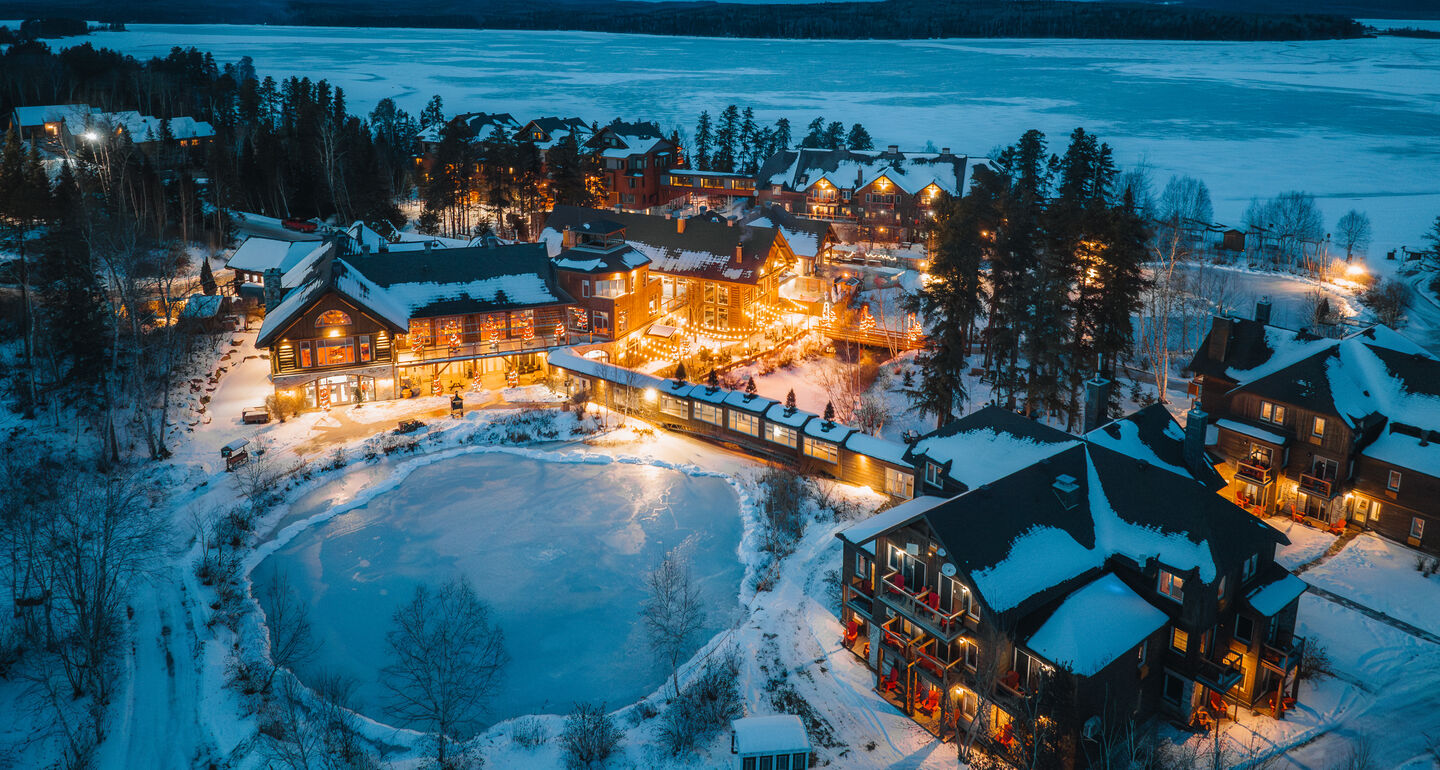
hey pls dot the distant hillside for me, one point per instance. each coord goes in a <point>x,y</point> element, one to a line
<point>888,19</point>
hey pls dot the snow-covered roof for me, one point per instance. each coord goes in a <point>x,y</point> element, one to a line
<point>256,254</point>
<point>778,414</point>
<point>710,396</point>
<point>749,402</point>
<point>910,172</point>
<point>1123,436</point>
<point>50,113</point>
<point>1276,595</point>
<point>678,388</point>
<point>1400,447</point>
<point>878,448</point>
<point>983,455</point>
<point>1252,431</point>
<point>1041,558</point>
<point>829,431</point>
<point>1096,625</point>
<point>140,128</point>
<point>888,519</point>
<point>782,733</point>
<point>567,358</point>
<point>695,248</point>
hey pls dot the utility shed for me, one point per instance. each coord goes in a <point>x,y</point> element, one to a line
<point>775,743</point>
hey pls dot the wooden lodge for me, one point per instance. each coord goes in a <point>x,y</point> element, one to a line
<point>350,324</point>
<point>1034,586</point>
<point>1327,431</point>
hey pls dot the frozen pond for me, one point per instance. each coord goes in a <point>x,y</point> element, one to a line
<point>558,550</point>
<point>1352,121</point>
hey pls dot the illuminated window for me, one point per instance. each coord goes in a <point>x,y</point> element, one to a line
<point>899,483</point>
<point>822,450</point>
<point>744,422</point>
<point>332,318</point>
<point>1393,484</point>
<point>1172,585</point>
<point>781,434</point>
<point>1318,431</point>
<point>1179,640</point>
<point>1273,413</point>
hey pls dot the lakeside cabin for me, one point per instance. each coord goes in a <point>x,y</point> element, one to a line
<point>770,743</point>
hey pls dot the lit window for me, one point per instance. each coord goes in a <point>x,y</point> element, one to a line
<point>1318,431</point>
<point>676,407</point>
<point>899,483</point>
<point>708,413</point>
<point>932,474</point>
<point>1417,527</point>
<point>744,422</point>
<point>1274,413</point>
<point>1394,483</point>
<point>1172,585</point>
<point>1179,640</point>
<point>781,434</point>
<point>822,450</point>
<point>332,318</point>
<point>1220,589</point>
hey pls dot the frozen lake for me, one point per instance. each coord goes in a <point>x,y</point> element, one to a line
<point>1352,121</point>
<point>557,549</point>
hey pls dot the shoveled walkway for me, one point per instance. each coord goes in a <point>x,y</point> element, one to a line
<point>1340,542</point>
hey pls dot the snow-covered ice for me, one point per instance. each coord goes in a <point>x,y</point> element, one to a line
<point>1352,121</point>
<point>559,550</point>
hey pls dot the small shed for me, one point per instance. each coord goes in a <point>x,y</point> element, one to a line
<point>770,743</point>
<point>1232,240</point>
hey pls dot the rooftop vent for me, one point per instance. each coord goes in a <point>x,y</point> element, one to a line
<point>1067,489</point>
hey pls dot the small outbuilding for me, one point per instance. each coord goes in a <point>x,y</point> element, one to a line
<point>770,743</point>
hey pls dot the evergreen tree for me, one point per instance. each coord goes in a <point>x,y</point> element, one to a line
<point>712,380</point>
<point>750,386</point>
<point>207,278</point>
<point>570,171</point>
<point>814,134</point>
<point>1019,186</point>
<point>680,373</point>
<point>781,135</point>
<point>749,148</point>
<point>829,412</point>
<point>434,113</point>
<point>859,138</point>
<point>790,401</point>
<point>727,137</point>
<point>834,136</point>
<point>704,141</point>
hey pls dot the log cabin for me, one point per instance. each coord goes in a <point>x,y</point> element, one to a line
<point>1333,432</point>
<point>350,324</point>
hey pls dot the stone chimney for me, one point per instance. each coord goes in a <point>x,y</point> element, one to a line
<point>273,291</point>
<point>680,225</point>
<point>1067,489</point>
<point>1097,402</point>
<point>1262,310</point>
<point>1196,421</point>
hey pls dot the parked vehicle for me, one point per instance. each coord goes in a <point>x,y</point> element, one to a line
<point>298,225</point>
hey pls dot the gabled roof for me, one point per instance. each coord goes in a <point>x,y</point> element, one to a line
<point>399,286</point>
<point>51,113</point>
<point>1153,436</point>
<point>621,139</point>
<point>705,250</point>
<point>799,169</point>
<point>987,444</point>
<point>585,259</point>
<point>1094,626</point>
<point>805,236</point>
<point>256,254</point>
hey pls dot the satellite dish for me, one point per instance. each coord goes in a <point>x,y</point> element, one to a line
<point>939,551</point>
<point>947,569</point>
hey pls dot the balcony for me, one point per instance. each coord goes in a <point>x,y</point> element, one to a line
<point>1254,472</point>
<point>1317,485</point>
<point>922,609</point>
<point>1220,675</point>
<point>439,354</point>
<point>1282,658</point>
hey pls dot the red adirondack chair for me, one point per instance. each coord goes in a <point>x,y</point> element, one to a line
<point>852,632</point>
<point>931,702</point>
<point>892,680</point>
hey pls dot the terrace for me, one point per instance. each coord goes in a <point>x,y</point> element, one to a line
<point>923,608</point>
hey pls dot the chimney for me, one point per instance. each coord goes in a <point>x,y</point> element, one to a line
<point>1195,423</point>
<point>1219,338</point>
<point>1067,489</point>
<point>944,150</point>
<point>1097,402</point>
<point>428,246</point>
<point>892,149</point>
<point>739,253</point>
<point>729,222</point>
<point>1262,310</point>
<point>667,216</point>
<point>680,225</point>
<point>273,292</point>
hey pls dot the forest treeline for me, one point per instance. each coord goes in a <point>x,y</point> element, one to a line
<point>889,20</point>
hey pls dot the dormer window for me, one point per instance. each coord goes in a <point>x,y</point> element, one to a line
<point>1172,585</point>
<point>932,474</point>
<point>332,318</point>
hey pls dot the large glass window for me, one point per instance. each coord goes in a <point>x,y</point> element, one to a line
<point>822,450</point>
<point>899,483</point>
<point>781,434</point>
<point>334,351</point>
<point>332,318</point>
<point>1273,413</point>
<point>676,407</point>
<point>744,422</point>
<point>708,413</point>
<point>610,289</point>
<point>1172,585</point>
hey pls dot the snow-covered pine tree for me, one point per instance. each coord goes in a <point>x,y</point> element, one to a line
<point>830,412</point>
<point>790,401</point>
<point>680,373</point>
<point>750,386</point>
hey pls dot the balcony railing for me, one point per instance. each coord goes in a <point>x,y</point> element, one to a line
<point>1220,675</point>
<point>1283,657</point>
<point>919,609</point>
<point>440,353</point>
<point>938,670</point>
<point>1317,486</point>
<point>1254,472</point>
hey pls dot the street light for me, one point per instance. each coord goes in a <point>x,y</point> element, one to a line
<point>91,136</point>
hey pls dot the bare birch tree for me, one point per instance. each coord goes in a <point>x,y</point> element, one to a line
<point>673,612</point>
<point>447,655</point>
<point>288,625</point>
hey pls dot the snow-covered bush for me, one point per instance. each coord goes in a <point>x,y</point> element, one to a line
<point>590,738</point>
<point>784,496</point>
<point>704,708</point>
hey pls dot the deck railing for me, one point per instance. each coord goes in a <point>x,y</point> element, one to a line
<point>939,623</point>
<point>1317,485</point>
<point>1253,472</point>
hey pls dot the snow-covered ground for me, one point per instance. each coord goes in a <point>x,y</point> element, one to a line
<point>1306,543</point>
<point>1352,121</point>
<point>1382,575</point>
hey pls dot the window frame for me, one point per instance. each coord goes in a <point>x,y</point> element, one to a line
<point>899,483</point>
<point>1392,482</point>
<point>776,432</point>
<point>1317,427</point>
<point>750,420</point>
<point>1248,636</point>
<point>1170,585</point>
<point>933,474</point>
<point>1417,527</point>
<point>829,452</point>
<point>1179,640</point>
<point>674,406</point>
<point>1272,412</point>
<point>710,414</point>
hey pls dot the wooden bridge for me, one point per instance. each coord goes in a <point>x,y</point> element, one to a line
<point>875,337</point>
